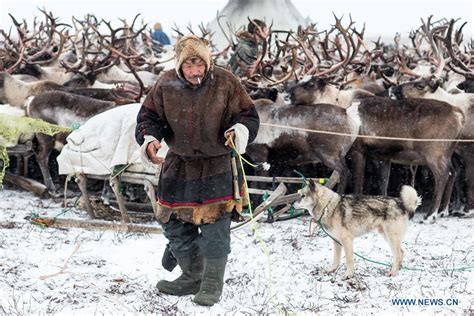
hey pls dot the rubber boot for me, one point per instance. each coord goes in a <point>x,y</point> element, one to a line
<point>189,282</point>
<point>212,281</point>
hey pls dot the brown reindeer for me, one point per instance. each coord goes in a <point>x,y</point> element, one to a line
<point>300,147</point>
<point>63,109</point>
<point>15,92</point>
<point>429,89</point>
<point>412,118</point>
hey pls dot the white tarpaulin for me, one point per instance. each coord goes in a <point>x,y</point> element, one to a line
<point>103,142</point>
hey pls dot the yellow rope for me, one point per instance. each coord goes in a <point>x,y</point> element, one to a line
<point>256,232</point>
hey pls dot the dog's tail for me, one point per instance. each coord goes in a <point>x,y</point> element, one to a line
<point>410,199</point>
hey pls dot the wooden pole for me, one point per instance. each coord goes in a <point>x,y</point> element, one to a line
<point>26,184</point>
<point>96,224</point>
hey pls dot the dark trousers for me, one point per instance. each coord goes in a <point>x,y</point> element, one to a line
<point>212,240</point>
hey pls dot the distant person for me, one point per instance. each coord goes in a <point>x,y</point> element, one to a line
<point>160,36</point>
<point>246,50</point>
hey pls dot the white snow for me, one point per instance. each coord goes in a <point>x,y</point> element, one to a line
<point>80,272</point>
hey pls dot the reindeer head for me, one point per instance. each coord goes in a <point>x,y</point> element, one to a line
<point>415,89</point>
<point>307,90</point>
<point>467,85</point>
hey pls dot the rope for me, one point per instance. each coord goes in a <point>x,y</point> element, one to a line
<point>275,304</point>
<point>325,231</point>
<point>369,136</point>
<point>386,264</point>
<point>264,198</point>
<point>247,162</point>
<point>43,222</point>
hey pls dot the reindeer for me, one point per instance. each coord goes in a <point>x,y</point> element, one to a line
<point>429,88</point>
<point>382,117</point>
<point>300,147</point>
<point>314,89</point>
<point>63,109</point>
<point>16,92</point>
<point>411,118</point>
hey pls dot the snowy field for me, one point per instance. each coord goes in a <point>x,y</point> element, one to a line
<point>79,272</point>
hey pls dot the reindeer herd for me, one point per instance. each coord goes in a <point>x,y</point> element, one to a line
<point>403,103</point>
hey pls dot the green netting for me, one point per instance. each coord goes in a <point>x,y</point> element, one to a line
<point>4,162</point>
<point>14,129</point>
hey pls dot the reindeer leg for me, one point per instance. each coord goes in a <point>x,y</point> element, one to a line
<point>384,176</point>
<point>440,170</point>
<point>19,165</point>
<point>444,206</point>
<point>115,183</point>
<point>105,196</point>
<point>81,181</point>
<point>150,192</point>
<point>258,154</point>
<point>359,169</point>
<point>342,174</point>
<point>413,170</point>
<point>458,196</point>
<point>469,178</point>
<point>42,153</point>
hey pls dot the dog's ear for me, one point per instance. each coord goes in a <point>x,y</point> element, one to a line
<point>306,182</point>
<point>312,185</point>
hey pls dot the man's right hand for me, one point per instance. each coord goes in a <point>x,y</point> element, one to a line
<point>151,150</point>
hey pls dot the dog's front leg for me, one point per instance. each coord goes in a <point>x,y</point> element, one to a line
<point>336,259</point>
<point>347,244</point>
<point>397,262</point>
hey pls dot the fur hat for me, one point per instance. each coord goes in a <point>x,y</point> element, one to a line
<point>157,26</point>
<point>192,46</point>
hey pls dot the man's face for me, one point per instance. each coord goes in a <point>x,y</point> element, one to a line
<point>193,70</point>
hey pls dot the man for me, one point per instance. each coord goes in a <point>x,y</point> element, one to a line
<point>160,36</point>
<point>196,108</point>
<point>247,48</point>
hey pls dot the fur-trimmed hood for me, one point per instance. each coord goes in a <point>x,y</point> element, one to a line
<point>192,46</point>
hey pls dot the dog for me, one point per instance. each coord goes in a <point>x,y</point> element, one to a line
<point>350,216</point>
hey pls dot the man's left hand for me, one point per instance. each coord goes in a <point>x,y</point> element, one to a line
<point>229,135</point>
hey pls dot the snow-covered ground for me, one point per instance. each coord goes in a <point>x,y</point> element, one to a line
<point>74,271</point>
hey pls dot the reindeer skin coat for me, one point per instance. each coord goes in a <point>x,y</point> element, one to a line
<point>196,178</point>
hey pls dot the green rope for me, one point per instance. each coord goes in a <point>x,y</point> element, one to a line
<point>304,181</point>
<point>386,264</point>
<point>35,215</point>
<point>117,172</point>
<point>264,198</point>
<point>303,178</point>
<point>292,210</point>
<point>75,126</point>
<point>67,209</point>
<point>322,181</point>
